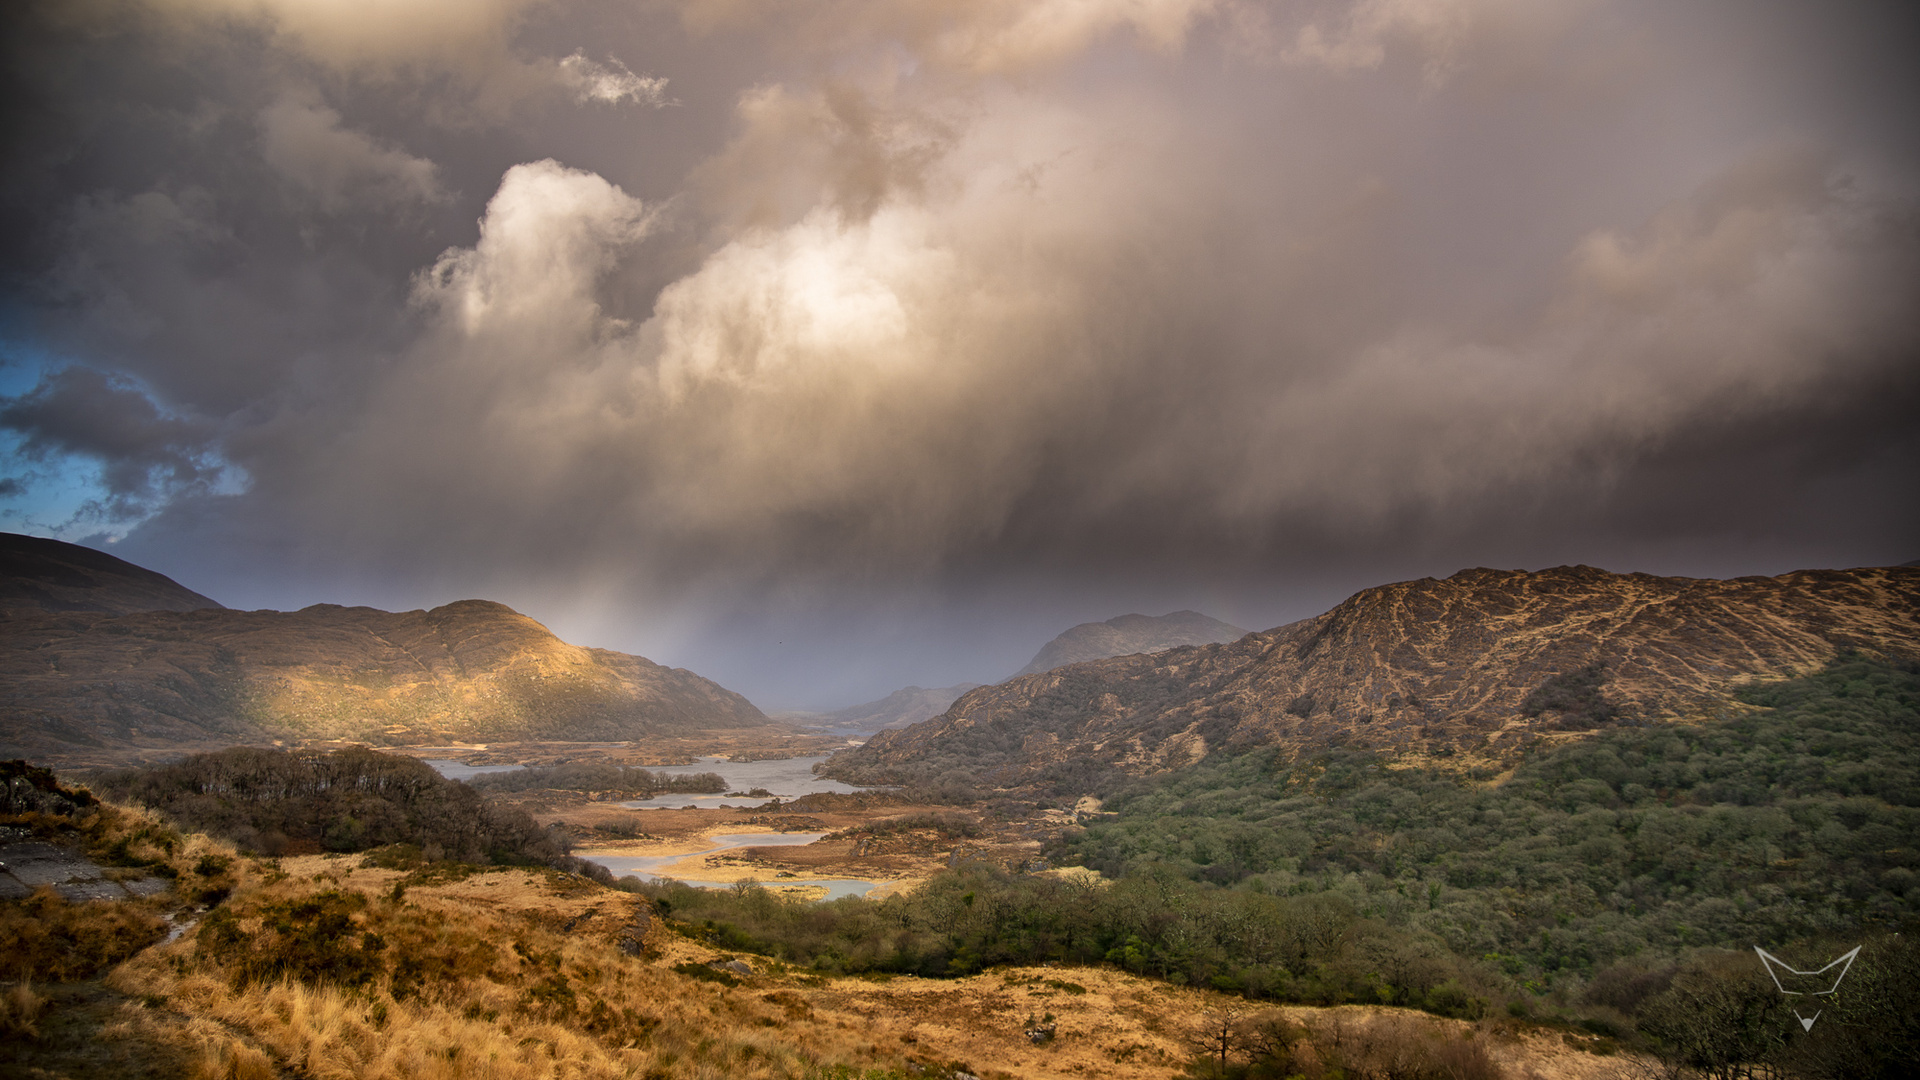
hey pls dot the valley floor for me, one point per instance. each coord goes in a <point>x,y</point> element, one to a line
<point>897,862</point>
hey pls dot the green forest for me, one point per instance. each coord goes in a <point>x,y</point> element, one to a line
<point>1616,882</point>
<point>1795,814</point>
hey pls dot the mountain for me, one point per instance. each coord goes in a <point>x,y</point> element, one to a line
<point>1470,668</point>
<point>1127,634</point>
<point>1088,641</point>
<point>81,683</point>
<point>40,575</point>
<point>898,709</point>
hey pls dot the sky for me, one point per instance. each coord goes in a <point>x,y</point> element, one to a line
<point>832,347</point>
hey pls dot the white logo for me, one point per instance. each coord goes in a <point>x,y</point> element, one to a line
<point>1806,983</point>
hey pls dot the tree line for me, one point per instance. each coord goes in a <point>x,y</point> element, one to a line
<point>600,776</point>
<point>1794,815</point>
<point>281,802</point>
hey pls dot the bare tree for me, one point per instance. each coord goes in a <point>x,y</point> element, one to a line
<point>1220,1032</point>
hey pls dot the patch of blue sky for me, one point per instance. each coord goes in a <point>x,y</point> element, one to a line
<point>65,495</point>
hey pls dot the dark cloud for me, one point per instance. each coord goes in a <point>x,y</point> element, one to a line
<point>876,324</point>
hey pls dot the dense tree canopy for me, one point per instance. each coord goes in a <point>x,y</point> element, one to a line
<point>283,802</point>
<point>1794,814</point>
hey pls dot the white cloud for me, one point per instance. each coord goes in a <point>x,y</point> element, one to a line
<point>549,235</point>
<point>977,280</point>
<point>610,83</point>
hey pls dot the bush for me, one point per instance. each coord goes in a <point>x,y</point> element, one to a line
<point>49,938</point>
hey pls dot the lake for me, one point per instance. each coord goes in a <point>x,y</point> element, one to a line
<point>454,770</point>
<point>786,778</point>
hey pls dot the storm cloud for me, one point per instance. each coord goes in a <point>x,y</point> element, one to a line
<point>902,326</point>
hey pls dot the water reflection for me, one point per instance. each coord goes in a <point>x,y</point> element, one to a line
<point>454,770</point>
<point>786,778</point>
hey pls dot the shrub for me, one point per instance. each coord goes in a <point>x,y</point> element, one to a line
<point>49,938</point>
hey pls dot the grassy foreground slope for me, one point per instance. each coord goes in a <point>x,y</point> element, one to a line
<point>362,965</point>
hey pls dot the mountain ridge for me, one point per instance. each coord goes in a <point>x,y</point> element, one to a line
<point>82,686</point>
<point>1477,665</point>
<point>39,574</point>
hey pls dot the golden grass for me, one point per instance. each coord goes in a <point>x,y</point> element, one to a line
<point>20,1010</point>
<point>505,974</point>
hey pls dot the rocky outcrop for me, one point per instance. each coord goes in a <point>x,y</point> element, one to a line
<point>1471,666</point>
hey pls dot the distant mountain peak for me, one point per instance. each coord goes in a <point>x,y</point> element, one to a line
<point>907,705</point>
<point>1124,635</point>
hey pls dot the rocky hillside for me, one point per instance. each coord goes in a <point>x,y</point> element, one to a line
<point>40,575</point>
<point>1471,667</point>
<point>1128,634</point>
<point>82,686</point>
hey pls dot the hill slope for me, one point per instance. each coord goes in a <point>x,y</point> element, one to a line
<point>82,686</point>
<point>37,574</point>
<point>1127,634</point>
<point>1481,663</point>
